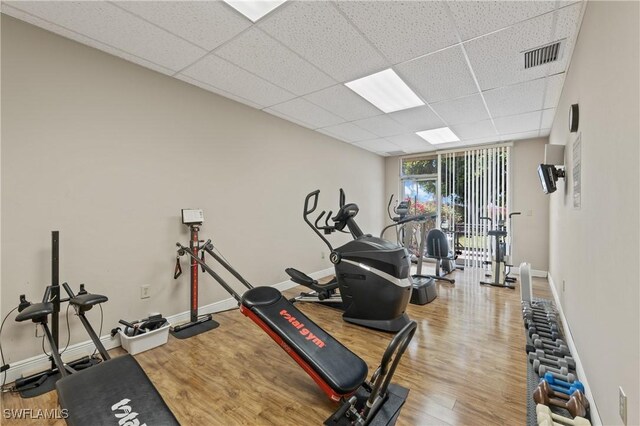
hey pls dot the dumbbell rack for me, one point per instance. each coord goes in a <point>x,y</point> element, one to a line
<point>533,379</point>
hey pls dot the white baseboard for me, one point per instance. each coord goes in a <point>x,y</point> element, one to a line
<point>534,272</point>
<point>26,367</point>
<point>582,376</point>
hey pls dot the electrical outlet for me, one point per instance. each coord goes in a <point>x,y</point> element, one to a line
<point>563,286</point>
<point>623,405</point>
<point>39,331</point>
<point>322,255</point>
<point>144,292</point>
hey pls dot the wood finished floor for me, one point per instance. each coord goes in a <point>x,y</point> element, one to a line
<point>465,365</point>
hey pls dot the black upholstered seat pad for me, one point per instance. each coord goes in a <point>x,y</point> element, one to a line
<point>88,299</point>
<point>118,387</point>
<point>36,310</point>
<point>340,368</point>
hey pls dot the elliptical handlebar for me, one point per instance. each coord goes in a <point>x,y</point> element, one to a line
<point>307,211</point>
<point>514,214</point>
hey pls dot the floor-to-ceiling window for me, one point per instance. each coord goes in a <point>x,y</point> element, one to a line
<point>466,191</point>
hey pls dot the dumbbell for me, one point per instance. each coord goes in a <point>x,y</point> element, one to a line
<point>545,327</point>
<point>542,314</point>
<point>571,363</point>
<point>539,309</point>
<point>560,375</point>
<point>552,335</point>
<point>547,417</point>
<point>557,363</point>
<point>558,383</point>
<point>560,350</point>
<point>542,368</point>
<point>538,367</point>
<point>544,385</point>
<point>554,342</point>
<point>573,405</point>
<point>539,319</point>
<point>577,385</point>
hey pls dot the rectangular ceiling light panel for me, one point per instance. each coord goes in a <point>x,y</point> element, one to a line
<point>437,136</point>
<point>254,9</point>
<point>386,91</point>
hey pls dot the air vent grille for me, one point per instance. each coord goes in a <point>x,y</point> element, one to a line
<point>394,153</point>
<point>541,55</point>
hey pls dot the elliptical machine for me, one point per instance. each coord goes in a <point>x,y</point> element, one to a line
<point>501,262</point>
<point>372,282</point>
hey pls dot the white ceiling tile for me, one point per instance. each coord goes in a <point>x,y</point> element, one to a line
<point>463,110</point>
<point>287,118</point>
<point>255,51</point>
<point>520,136</point>
<point>320,34</point>
<point>417,119</point>
<point>547,118</point>
<point>402,30</point>
<point>381,126</point>
<point>498,58</point>
<point>516,99</point>
<point>205,23</point>
<point>529,121</point>
<point>439,76</point>
<point>224,75</point>
<point>34,20</point>
<point>554,90</point>
<point>476,18</point>
<point>117,28</point>
<point>480,129</point>
<point>378,145</point>
<point>343,102</point>
<point>480,141</point>
<point>410,142</point>
<point>307,112</point>
<point>347,132</point>
<point>215,90</point>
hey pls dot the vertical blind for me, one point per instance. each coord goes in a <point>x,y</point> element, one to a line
<point>474,184</point>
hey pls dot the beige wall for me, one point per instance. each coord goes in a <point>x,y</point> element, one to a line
<point>594,249</point>
<point>108,153</point>
<point>531,229</point>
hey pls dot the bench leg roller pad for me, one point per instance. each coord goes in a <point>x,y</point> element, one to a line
<point>114,392</point>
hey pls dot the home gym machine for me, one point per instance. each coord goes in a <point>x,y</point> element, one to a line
<point>197,324</point>
<point>43,382</point>
<point>372,277</point>
<point>116,390</point>
<point>340,373</point>
<point>423,286</point>
<point>501,260</point>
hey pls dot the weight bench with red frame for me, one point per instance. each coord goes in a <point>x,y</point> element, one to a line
<point>340,373</point>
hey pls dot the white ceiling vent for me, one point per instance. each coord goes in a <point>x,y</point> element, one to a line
<point>394,153</point>
<point>542,55</point>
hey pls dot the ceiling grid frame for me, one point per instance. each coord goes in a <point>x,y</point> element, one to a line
<point>545,110</point>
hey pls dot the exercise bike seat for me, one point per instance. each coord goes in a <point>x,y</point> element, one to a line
<point>37,312</point>
<point>497,233</point>
<point>338,371</point>
<point>88,300</point>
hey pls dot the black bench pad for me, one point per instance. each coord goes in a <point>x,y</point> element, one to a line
<point>114,392</point>
<point>342,370</point>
